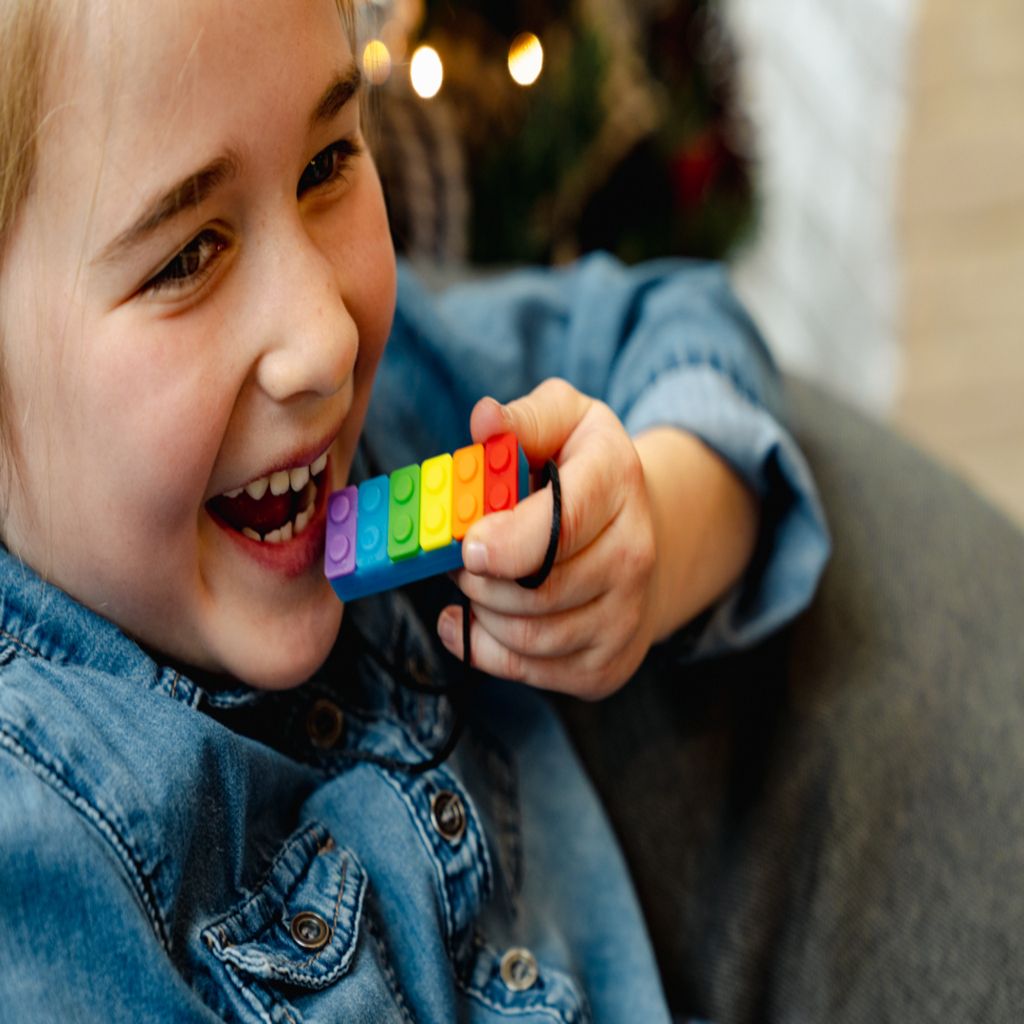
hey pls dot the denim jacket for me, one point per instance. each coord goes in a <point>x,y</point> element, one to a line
<point>174,852</point>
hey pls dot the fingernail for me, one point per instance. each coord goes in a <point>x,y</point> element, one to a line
<point>474,556</point>
<point>446,630</point>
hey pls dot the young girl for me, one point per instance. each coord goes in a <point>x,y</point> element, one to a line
<point>196,289</point>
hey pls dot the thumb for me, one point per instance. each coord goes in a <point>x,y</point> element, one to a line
<point>542,421</point>
<point>488,419</point>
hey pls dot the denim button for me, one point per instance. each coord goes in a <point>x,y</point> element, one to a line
<point>310,930</point>
<point>448,815</point>
<point>519,969</point>
<point>419,670</point>
<point>324,724</point>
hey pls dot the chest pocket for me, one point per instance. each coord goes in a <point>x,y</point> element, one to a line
<point>298,949</point>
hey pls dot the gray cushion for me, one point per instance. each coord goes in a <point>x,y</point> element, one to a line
<point>830,827</point>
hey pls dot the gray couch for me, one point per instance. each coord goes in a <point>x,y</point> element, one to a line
<point>831,827</point>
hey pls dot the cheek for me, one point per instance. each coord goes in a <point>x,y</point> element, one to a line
<point>364,258</point>
<point>377,310</point>
<point>148,427</point>
<point>375,307</point>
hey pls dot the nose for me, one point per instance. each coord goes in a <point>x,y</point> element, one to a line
<point>310,338</point>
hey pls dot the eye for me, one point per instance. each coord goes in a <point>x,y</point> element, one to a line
<point>328,165</point>
<point>190,265</point>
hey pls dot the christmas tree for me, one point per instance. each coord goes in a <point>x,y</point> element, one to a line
<point>620,135</point>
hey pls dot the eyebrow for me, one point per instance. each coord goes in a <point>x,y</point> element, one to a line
<point>195,188</point>
<point>342,88</point>
<point>192,190</point>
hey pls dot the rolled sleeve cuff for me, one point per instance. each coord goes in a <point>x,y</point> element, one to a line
<point>793,542</point>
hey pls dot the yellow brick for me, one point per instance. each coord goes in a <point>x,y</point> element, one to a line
<point>436,502</point>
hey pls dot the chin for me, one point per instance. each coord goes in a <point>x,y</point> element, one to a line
<point>286,663</point>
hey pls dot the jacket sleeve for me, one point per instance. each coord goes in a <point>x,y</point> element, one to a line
<point>663,343</point>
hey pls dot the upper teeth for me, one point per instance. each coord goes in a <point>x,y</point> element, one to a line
<point>281,481</point>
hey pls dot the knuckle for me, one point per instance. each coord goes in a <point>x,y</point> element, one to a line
<point>619,632</point>
<point>529,420</point>
<point>603,418</point>
<point>594,685</point>
<point>632,470</point>
<point>645,553</point>
<point>603,411</point>
<point>556,388</point>
<point>631,624</point>
<point>636,556</point>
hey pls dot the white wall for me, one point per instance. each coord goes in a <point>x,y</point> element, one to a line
<point>824,83</point>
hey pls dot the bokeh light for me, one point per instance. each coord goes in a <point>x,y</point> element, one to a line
<point>525,58</point>
<point>376,62</point>
<point>426,72</point>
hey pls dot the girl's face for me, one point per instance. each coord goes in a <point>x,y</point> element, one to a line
<point>195,299</point>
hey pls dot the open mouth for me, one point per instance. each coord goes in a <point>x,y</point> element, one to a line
<point>275,508</point>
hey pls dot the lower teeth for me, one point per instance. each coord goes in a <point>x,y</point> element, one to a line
<point>290,529</point>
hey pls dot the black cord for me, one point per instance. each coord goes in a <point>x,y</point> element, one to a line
<point>548,474</point>
<point>459,690</point>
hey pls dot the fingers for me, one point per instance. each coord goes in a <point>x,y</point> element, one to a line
<point>545,637</point>
<point>599,470</point>
<point>507,545</point>
<point>572,582</point>
<point>583,631</point>
<point>585,670</point>
<point>542,420</point>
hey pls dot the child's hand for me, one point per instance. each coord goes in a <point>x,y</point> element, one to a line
<point>620,557</point>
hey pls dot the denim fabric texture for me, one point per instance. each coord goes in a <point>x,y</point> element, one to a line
<point>163,841</point>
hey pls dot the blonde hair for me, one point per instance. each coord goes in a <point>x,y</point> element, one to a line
<point>27,43</point>
<point>25,32</point>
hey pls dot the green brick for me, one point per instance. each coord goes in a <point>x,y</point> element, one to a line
<point>404,513</point>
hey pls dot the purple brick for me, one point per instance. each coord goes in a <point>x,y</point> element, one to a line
<point>340,551</point>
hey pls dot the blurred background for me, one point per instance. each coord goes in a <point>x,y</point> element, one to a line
<point>858,163</point>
